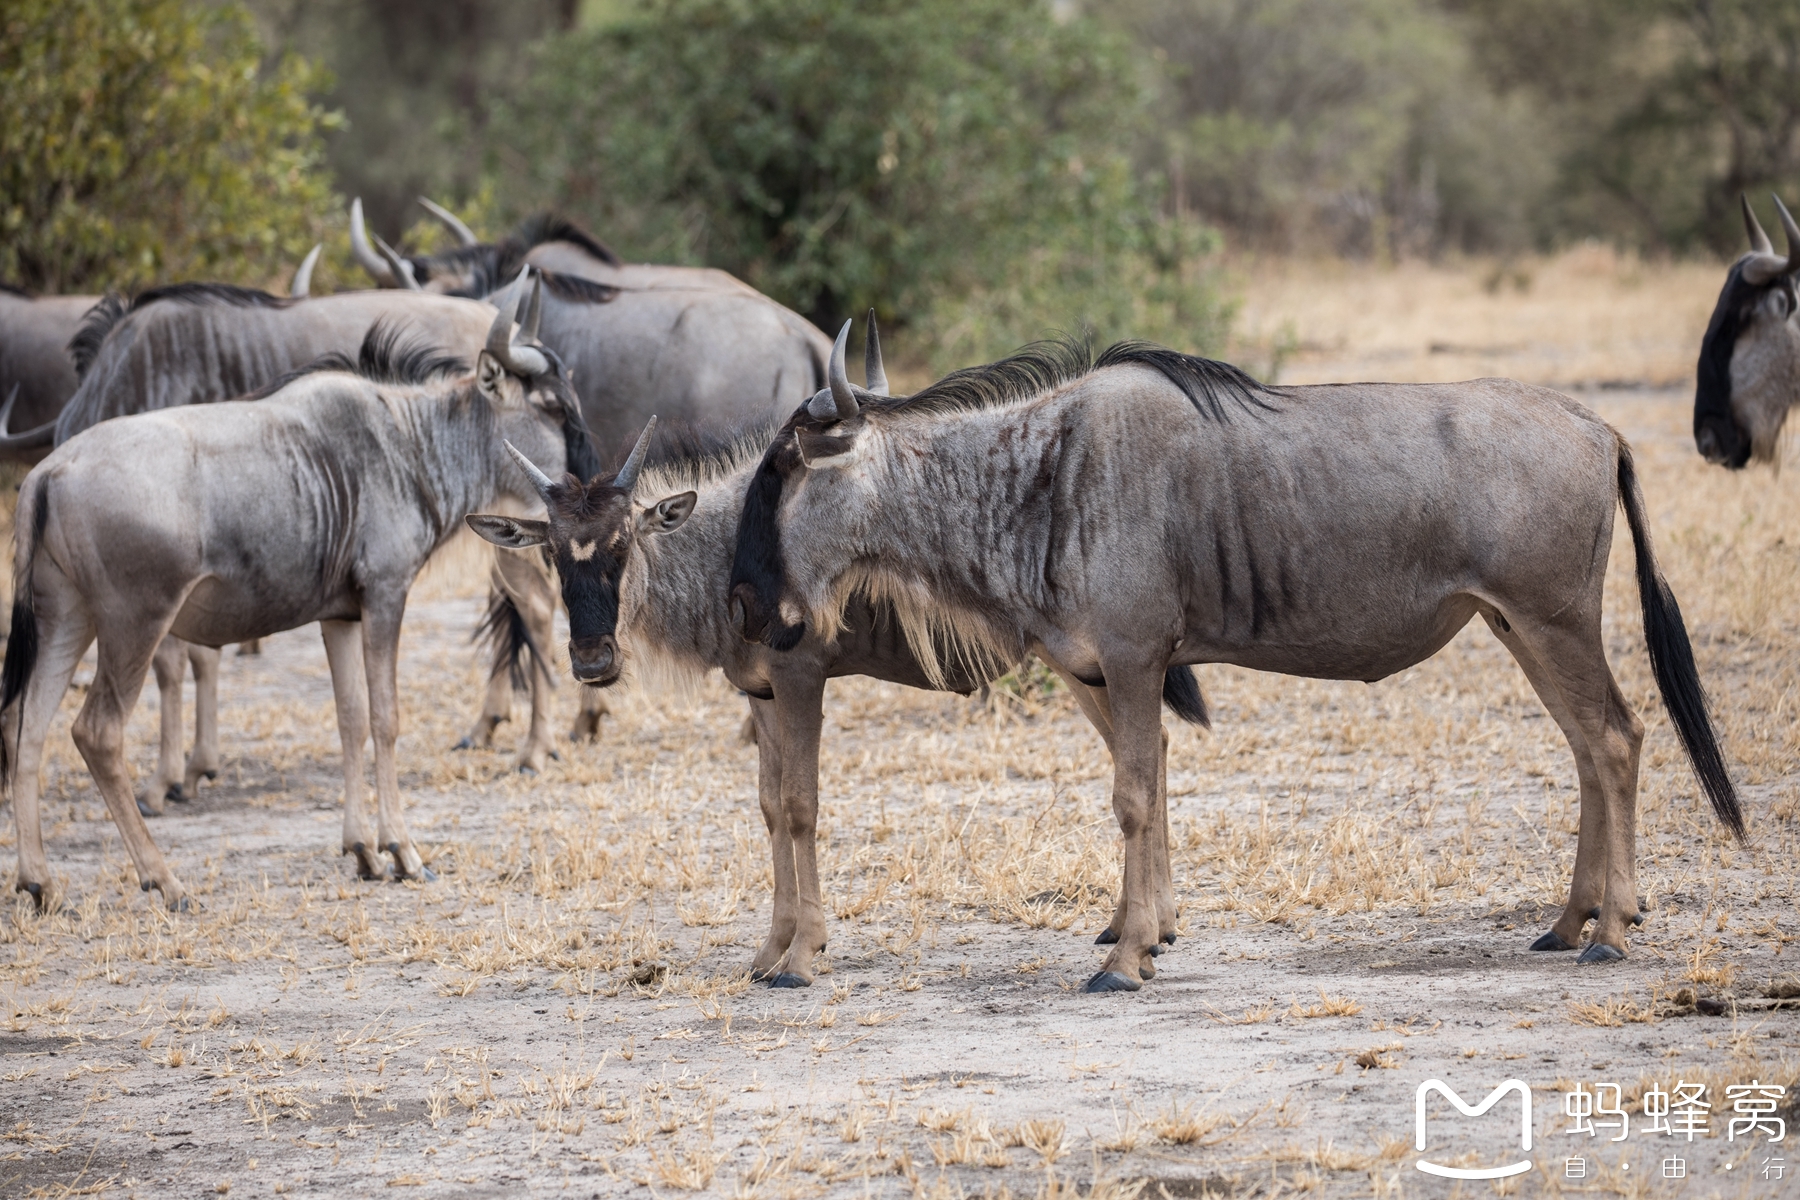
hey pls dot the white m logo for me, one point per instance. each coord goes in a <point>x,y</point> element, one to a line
<point>1443,1089</point>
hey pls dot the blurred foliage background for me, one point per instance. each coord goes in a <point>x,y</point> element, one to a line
<point>981,171</point>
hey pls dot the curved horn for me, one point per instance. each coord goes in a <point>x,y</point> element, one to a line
<point>462,233</point>
<point>6,411</point>
<point>302,285</point>
<point>528,328</point>
<point>520,360</point>
<point>1759,241</point>
<point>626,480</point>
<point>402,269</point>
<point>540,480</point>
<point>31,439</point>
<point>839,379</point>
<point>365,253</point>
<point>873,372</point>
<point>1793,237</point>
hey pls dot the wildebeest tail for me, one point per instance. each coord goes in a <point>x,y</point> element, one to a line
<point>503,631</point>
<point>1672,658</point>
<point>1181,692</point>
<point>22,642</point>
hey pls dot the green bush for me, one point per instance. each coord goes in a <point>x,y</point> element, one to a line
<point>145,140</point>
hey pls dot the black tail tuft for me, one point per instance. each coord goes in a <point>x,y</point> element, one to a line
<point>1672,659</point>
<point>1181,692</point>
<point>504,632</point>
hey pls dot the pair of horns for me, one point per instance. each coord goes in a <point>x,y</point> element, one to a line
<point>382,261</point>
<point>1767,265</point>
<point>625,480</point>
<point>518,353</point>
<point>843,399</point>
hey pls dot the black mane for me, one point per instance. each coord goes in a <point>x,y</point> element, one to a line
<point>98,321</point>
<point>549,227</point>
<point>211,293</point>
<point>490,266</point>
<point>1041,366</point>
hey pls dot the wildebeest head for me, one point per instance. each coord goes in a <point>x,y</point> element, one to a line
<point>591,529</point>
<point>1750,357</point>
<point>821,436</point>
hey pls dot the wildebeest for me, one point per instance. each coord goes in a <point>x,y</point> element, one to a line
<point>200,343</point>
<point>1144,509</point>
<point>1749,371</point>
<point>651,577</point>
<point>695,345</point>
<point>317,502</point>
<point>37,375</point>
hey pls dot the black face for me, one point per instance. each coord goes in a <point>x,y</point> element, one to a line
<point>1717,434</point>
<point>758,572</point>
<point>590,539</point>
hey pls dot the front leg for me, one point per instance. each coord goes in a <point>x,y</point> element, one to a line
<point>784,914</point>
<point>168,664</point>
<point>587,718</point>
<point>343,650</point>
<point>799,712</point>
<point>535,599</point>
<point>1135,700</point>
<point>203,763</point>
<point>381,652</point>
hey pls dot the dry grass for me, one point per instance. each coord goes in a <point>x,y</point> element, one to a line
<point>571,999</point>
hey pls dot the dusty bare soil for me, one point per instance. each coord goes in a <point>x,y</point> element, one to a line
<point>567,1010</point>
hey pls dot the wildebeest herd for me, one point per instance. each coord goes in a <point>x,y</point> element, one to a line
<point>219,464</point>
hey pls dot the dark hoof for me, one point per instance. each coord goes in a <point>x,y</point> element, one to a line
<point>525,769</point>
<point>1551,941</point>
<point>1169,938</point>
<point>209,775</point>
<point>555,756</point>
<point>1594,913</point>
<point>1600,952</point>
<point>367,868</point>
<point>176,793</point>
<point>785,980</point>
<point>1156,949</point>
<point>1107,938</point>
<point>146,810</point>
<point>187,904</point>
<point>1637,918</point>
<point>1110,981</point>
<point>36,892</point>
<point>464,744</point>
<point>425,875</point>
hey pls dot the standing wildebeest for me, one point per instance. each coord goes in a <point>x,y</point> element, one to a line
<point>318,502</point>
<point>37,374</point>
<point>1122,515</point>
<point>1750,358</point>
<point>692,344</point>
<point>663,595</point>
<point>199,343</point>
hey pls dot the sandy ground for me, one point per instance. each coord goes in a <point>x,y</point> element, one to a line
<point>566,1010</point>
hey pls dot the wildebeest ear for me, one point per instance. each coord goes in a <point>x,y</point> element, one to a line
<point>667,514</point>
<point>490,376</point>
<point>511,532</point>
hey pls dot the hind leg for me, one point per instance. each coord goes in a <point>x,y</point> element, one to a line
<point>382,615</point>
<point>1567,668</point>
<point>169,665</point>
<point>343,650</point>
<point>203,763</point>
<point>496,702</point>
<point>593,707</point>
<point>64,634</point>
<point>533,596</point>
<point>99,731</point>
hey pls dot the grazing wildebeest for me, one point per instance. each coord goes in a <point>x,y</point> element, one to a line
<point>317,502</point>
<point>650,578</point>
<point>37,375</point>
<point>1121,515</point>
<point>1749,370</point>
<point>692,344</point>
<point>200,343</point>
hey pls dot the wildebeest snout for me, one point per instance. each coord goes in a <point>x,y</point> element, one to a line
<point>594,659</point>
<point>1721,441</point>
